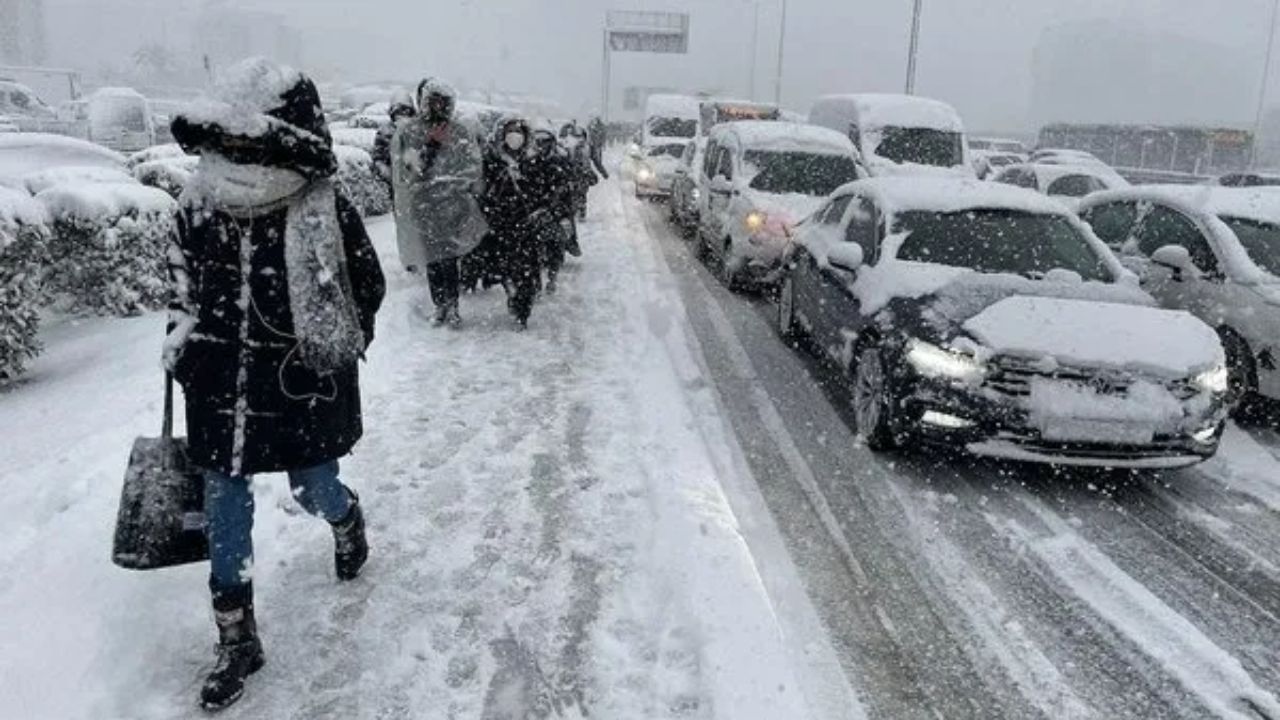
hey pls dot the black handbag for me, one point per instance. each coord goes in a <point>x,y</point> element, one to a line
<point>161,519</point>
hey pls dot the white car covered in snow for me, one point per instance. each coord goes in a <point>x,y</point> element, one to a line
<point>988,317</point>
<point>1214,252</point>
<point>655,169</point>
<point>22,154</point>
<point>757,181</point>
<point>1065,183</point>
<point>121,119</point>
<point>897,134</point>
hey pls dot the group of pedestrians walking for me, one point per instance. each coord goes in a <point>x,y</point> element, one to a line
<point>276,285</point>
<point>473,212</point>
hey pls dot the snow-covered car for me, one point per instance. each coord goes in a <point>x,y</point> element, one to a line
<point>1065,183</point>
<point>1064,154</point>
<point>757,181</point>
<point>669,119</point>
<point>998,145</point>
<point>655,171</point>
<point>988,317</point>
<point>897,134</point>
<point>988,162</point>
<point>24,153</point>
<point>24,108</point>
<point>683,205</point>
<point>1214,252</point>
<point>121,119</point>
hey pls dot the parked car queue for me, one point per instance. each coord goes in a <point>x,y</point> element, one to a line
<point>990,316</point>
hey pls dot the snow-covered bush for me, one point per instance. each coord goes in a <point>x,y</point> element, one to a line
<point>367,191</point>
<point>362,138</point>
<point>168,174</point>
<point>156,152</point>
<point>24,238</point>
<point>107,253</point>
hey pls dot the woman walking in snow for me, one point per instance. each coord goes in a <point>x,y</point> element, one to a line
<point>435,166</point>
<point>515,211</point>
<point>275,288</point>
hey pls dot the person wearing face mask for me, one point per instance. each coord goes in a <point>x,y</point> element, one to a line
<point>513,208</point>
<point>274,288</point>
<point>436,167</point>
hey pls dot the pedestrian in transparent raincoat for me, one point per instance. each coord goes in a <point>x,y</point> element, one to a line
<point>436,171</point>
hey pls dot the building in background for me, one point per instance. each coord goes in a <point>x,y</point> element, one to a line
<point>22,32</point>
<point>226,33</point>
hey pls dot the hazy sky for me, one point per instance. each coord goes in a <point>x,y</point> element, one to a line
<point>976,54</point>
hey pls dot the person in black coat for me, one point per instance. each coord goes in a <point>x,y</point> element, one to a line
<point>551,174</point>
<point>275,289</point>
<point>514,210</point>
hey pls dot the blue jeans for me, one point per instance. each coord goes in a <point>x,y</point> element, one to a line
<point>228,507</point>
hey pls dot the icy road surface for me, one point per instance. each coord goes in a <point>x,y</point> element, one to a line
<point>645,507</point>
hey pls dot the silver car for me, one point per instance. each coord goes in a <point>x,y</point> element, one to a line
<point>1214,252</point>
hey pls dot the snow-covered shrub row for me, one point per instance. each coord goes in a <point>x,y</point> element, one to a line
<point>367,191</point>
<point>168,174</point>
<point>362,138</point>
<point>24,236</point>
<point>107,253</point>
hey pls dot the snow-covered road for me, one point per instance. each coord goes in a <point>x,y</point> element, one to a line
<point>644,507</point>
<point>551,535</point>
<point>964,589</point>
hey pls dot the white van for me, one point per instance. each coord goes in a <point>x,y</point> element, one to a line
<point>757,181</point>
<point>898,134</point>
<point>669,119</point>
<point>120,118</point>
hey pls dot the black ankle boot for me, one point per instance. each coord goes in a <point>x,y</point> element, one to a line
<point>239,649</point>
<point>350,548</point>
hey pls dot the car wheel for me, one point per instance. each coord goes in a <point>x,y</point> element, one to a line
<point>873,400</point>
<point>788,327</point>
<point>1242,377</point>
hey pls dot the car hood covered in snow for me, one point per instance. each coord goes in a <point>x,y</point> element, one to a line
<point>1165,343</point>
<point>787,209</point>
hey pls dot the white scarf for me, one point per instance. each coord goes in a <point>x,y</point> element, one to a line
<point>326,324</point>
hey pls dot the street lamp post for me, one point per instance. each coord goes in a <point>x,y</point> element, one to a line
<point>915,46</point>
<point>782,46</point>
<point>755,45</point>
<point>1262,91</point>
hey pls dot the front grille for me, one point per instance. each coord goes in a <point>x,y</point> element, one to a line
<point>1012,376</point>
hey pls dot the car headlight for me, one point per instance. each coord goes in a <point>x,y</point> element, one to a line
<point>695,194</point>
<point>932,361</point>
<point>755,221</point>
<point>1214,380</point>
<point>644,174</point>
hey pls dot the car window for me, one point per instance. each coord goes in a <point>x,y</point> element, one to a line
<point>791,172</point>
<point>724,165</point>
<point>20,100</point>
<point>1018,177</point>
<point>834,212</point>
<point>862,228</point>
<point>1075,186</point>
<point>1163,226</point>
<point>1113,222</point>
<point>1260,240</point>
<point>709,160</point>
<point>687,158</point>
<point>1000,241</point>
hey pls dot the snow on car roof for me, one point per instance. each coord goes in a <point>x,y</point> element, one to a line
<point>1049,172</point>
<point>24,153</point>
<point>951,194</point>
<point>889,110</point>
<point>783,136</point>
<point>117,92</point>
<point>1262,204</point>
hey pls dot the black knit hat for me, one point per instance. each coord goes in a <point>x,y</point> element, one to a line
<point>262,114</point>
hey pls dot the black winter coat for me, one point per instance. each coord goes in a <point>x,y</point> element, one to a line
<point>552,180</point>
<point>251,406</point>
<point>511,195</point>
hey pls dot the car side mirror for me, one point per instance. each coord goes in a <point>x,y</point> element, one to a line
<point>845,256</point>
<point>1177,259</point>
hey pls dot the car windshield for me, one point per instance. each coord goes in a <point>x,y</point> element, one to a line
<point>800,172</point>
<point>674,151</point>
<point>1260,240</point>
<point>999,241</point>
<point>923,146</point>
<point>673,127</point>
